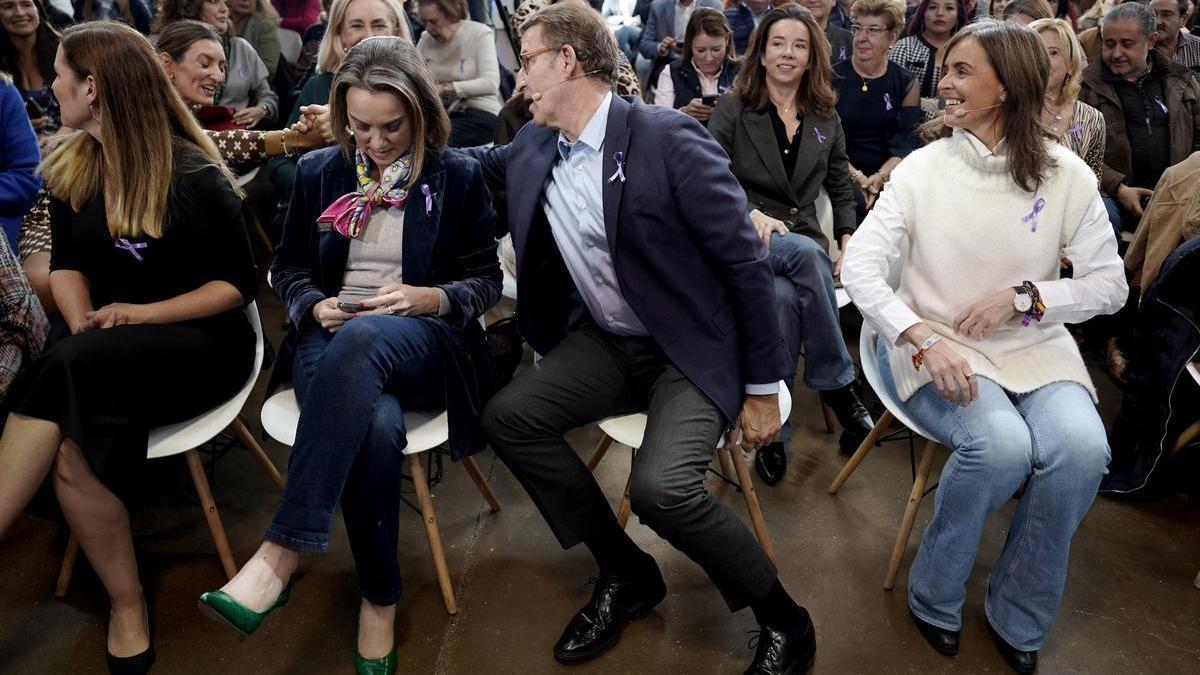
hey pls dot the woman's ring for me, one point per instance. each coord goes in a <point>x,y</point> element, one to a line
<point>391,311</point>
<point>971,376</point>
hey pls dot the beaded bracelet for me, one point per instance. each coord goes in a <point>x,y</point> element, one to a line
<point>919,357</point>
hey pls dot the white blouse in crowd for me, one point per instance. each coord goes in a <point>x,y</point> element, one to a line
<point>468,61</point>
<point>664,92</point>
<point>960,229</point>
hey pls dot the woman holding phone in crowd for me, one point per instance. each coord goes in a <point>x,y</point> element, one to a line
<point>386,264</point>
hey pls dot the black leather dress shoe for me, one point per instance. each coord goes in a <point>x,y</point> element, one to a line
<point>851,414</point>
<point>1022,662</point>
<point>942,640</point>
<point>770,463</point>
<point>784,652</point>
<point>615,602</point>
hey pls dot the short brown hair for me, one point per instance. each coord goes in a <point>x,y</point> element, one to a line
<point>586,33</point>
<point>453,10</point>
<point>178,36</point>
<point>891,11</point>
<point>816,91</point>
<point>392,65</point>
<point>710,22</point>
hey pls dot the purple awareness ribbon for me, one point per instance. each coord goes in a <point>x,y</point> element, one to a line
<point>817,133</point>
<point>130,246</point>
<point>1161,105</point>
<point>887,101</point>
<point>428,198</point>
<point>462,65</point>
<point>1076,130</point>
<point>619,158</point>
<point>842,53</point>
<point>1033,215</point>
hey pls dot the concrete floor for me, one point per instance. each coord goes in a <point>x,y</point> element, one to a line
<point>1129,607</point>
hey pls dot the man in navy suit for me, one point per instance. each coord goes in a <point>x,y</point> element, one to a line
<point>643,285</point>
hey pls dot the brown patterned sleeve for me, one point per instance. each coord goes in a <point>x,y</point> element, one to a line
<point>239,146</point>
<point>34,235</point>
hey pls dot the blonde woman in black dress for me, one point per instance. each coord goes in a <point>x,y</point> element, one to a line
<point>151,270</point>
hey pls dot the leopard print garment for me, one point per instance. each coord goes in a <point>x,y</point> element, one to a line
<point>34,235</point>
<point>627,82</point>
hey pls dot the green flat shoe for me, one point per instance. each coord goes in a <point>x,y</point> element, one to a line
<point>223,609</point>
<point>384,666</point>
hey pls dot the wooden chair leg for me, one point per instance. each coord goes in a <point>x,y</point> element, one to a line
<point>885,421</point>
<point>1187,436</point>
<point>598,453</point>
<point>827,414</point>
<point>481,482</point>
<point>432,533</point>
<point>756,516</point>
<point>726,467</point>
<point>68,567</point>
<point>910,514</point>
<point>626,507</point>
<point>243,435</point>
<point>196,468</point>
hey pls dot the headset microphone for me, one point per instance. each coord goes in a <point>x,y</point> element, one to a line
<point>961,113</point>
<point>537,96</point>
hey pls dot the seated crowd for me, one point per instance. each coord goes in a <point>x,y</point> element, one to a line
<point>756,156</point>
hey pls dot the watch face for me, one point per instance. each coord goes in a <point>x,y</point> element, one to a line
<point>1022,302</point>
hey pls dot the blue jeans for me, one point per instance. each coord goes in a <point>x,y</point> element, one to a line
<point>627,38</point>
<point>1118,217</point>
<point>353,386</point>
<point>806,305</point>
<point>1051,437</point>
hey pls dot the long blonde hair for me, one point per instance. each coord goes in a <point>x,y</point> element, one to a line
<point>144,122</point>
<point>331,52</point>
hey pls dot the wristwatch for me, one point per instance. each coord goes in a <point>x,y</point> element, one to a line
<point>1022,302</point>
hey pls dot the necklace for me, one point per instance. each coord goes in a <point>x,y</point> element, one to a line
<point>785,108</point>
<point>867,80</point>
<point>1056,126</point>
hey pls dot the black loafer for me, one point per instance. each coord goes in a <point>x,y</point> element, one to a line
<point>783,652</point>
<point>945,642</point>
<point>615,602</point>
<point>851,414</point>
<point>1022,662</point>
<point>770,463</point>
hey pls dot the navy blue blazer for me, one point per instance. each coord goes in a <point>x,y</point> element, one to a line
<point>687,259</point>
<point>450,247</point>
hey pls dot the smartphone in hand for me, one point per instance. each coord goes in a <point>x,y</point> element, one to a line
<point>351,307</point>
<point>709,100</point>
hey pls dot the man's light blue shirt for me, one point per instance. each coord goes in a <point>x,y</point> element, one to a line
<point>574,206</point>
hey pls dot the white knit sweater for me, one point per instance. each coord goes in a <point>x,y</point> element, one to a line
<point>970,234</point>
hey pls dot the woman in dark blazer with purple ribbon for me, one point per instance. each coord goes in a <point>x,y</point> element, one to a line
<point>785,141</point>
<point>387,262</point>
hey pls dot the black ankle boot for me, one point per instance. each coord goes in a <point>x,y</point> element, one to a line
<point>770,462</point>
<point>851,414</point>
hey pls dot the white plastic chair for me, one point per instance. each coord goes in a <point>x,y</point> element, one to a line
<point>425,431</point>
<point>893,412</point>
<point>290,44</point>
<point>183,438</point>
<point>629,430</point>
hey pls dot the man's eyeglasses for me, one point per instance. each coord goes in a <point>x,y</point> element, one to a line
<point>526,57</point>
<point>872,31</point>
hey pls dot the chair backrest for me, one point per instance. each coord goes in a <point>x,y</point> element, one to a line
<point>870,367</point>
<point>175,439</point>
<point>290,44</point>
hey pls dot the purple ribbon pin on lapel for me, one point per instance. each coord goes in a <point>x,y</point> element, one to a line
<point>462,65</point>
<point>1076,130</point>
<point>842,53</point>
<point>619,158</point>
<point>817,133</point>
<point>123,243</point>
<point>1033,215</point>
<point>428,198</point>
<point>1162,106</point>
<point>887,101</point>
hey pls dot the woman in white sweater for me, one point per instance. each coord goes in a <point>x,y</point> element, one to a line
<point>462,56</point>
<point>973,342</point>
